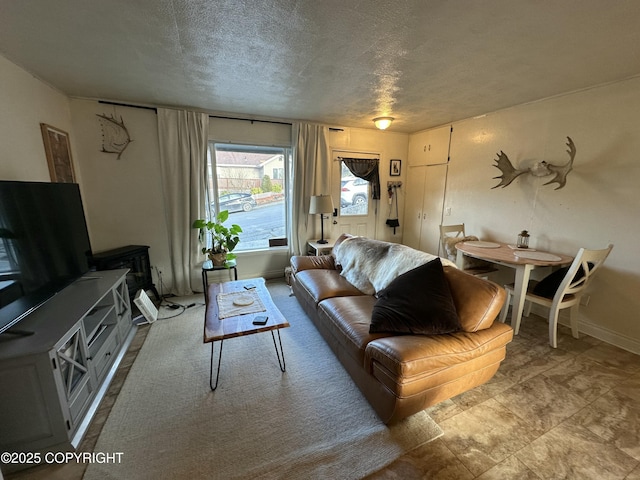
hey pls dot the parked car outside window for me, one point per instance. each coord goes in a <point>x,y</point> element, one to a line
<point>237,202</point>
<point>354,192</point>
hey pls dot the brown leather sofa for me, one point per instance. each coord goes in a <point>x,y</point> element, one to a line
<point>403,374</point>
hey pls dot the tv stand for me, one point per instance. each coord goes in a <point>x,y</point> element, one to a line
<point>53,381</point>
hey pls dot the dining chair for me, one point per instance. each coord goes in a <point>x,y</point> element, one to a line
<point>571,284</point>
<point>452,234</point>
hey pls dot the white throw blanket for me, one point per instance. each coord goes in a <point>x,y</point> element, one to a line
<point>370,265</point>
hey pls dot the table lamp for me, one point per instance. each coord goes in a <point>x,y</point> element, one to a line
<point>321,204</point>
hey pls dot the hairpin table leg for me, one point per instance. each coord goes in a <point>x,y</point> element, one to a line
<point>283,366</point>
<point>213,387</point>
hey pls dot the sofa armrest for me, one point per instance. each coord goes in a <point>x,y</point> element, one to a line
<point>477,301</point>
<point>410,355</point>
<point>323,262</point>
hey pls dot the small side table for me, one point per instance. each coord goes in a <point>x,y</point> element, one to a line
<point>208,266</point>
<point>315,249</point>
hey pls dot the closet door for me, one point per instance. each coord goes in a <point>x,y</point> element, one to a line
<point>423,207</point>
<point>413,207</point>
<point>432,206</point>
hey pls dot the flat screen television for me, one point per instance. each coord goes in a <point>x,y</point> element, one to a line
<point>44,245</point>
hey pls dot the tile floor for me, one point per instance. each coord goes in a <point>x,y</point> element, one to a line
<point>566,413</point>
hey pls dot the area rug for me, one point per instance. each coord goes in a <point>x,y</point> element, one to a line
<point>309,422</point>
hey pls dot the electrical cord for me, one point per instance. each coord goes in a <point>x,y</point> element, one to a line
<point>170,305</point>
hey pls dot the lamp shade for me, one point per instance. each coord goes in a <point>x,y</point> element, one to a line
<point>321,204</point>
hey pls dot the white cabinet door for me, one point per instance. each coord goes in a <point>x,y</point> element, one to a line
<point>423,207</point>
<point>432,205</point>
<point>413,207</point>
<point>430,147</point>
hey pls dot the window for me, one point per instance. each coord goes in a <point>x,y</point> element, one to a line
<point>242,181</point>
<point>354,193</point>
<point>278,173</point>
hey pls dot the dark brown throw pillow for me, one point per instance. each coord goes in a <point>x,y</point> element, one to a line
<point>417,302</point>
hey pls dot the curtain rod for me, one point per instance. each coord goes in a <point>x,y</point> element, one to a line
<point>249,120</point>
<point>333,129</point>
<point>127,105</point>
<point>117,104</point>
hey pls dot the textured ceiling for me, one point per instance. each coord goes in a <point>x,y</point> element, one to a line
<point>339,62</point>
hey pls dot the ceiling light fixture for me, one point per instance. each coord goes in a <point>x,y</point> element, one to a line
<point>383,122</point>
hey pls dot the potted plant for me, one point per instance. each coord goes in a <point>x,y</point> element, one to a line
<point>223,239</point>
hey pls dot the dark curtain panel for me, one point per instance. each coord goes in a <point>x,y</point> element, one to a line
<point>367,169</point>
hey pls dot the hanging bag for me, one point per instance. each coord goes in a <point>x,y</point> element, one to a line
<point>393,222</point>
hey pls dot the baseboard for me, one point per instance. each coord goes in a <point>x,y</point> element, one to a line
<point>271,274</point>
<point>622,341</point>
<point>596,331</point>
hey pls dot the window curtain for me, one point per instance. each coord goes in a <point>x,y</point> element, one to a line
<point>311,176</point>
<point>367,169</point>
<point>183,160</point>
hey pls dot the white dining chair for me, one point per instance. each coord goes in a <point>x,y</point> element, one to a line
<point>568,293</point>
<point>452,234</point>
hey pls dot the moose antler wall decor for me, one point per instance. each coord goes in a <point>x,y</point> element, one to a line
<point>540,169</point>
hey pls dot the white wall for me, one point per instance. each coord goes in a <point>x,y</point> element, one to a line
<point>123,198</point>
<point>598,205</point>
<point>25,103</point>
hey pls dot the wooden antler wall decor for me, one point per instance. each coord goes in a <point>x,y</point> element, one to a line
<point>540,169</point>
<point>115,136</point>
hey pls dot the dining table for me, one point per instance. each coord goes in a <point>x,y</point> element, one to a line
<point>522,260</point>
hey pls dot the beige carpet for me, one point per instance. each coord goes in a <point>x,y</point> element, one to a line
<point>310,422</point>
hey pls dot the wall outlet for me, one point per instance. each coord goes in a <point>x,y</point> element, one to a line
<point>584,301</point>
<point>447,212</point>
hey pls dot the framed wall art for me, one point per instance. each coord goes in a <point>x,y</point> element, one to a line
<point>58,151</point>
<point>395,168</point>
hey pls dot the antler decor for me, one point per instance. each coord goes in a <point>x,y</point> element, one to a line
<point>115,136</point>
<point>540,169</point>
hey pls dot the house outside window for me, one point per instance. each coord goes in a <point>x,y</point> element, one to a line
<point>249,182</point>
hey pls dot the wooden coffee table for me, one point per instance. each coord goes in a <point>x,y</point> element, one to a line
<point>240,325</point>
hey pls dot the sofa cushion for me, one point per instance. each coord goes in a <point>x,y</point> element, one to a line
<point>417,302</point>
<point>321,284</point>
<point>348,319</point>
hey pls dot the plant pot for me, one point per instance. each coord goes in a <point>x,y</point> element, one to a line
<point>218,259</point>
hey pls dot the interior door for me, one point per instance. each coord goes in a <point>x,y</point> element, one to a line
<point>357,212</point>
<point>413,207</point>
<point>432,205</point>
<point>423,207</point>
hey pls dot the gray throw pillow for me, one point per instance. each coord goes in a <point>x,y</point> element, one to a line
<point>417,302</point>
